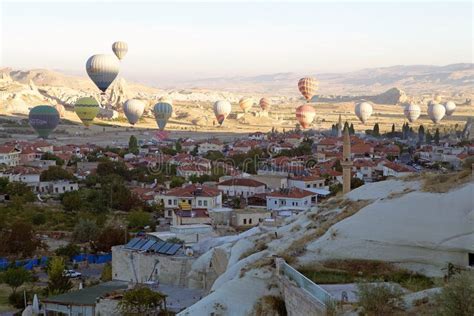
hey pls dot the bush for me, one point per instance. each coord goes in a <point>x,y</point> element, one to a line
<point>139,219</point>
<point>38,219</point>
<point>106,273</point>
<point>457,297</point>
<point>17,299</point>
<point>68,251</point>
<point>378,299</point>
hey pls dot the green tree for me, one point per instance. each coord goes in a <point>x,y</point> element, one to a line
<point>351,129</point>
<point>393,128</point>
<point>133,145</point>
<point>21,190</point>
<point>178,146</point>
<point>421,134</point>
<point>177,182</point>
<point>429,138</point>
<point>21,240</point>
<point>72,201</point>
<point>3,185</point>
<point>15,277</point>
<point>56,173</point>
<point>139,219</point>
<point>142,301</point>
<point>106,274</point>
<point>85,230</point>
<point>58,283</point>
<point>436,136</point>
<point>68,251</point>
<point>110,236</point>
<point>376,130</point>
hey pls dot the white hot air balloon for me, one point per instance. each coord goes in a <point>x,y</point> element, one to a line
<point>363,111</point>
<point>412,112</point>
<point>436,112</point>
<point>222,109</point>
<point>450,107</point>
<point>120,49</point>
<point>133,110</point>
<point>102,69</point>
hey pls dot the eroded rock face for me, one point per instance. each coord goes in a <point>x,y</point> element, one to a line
<point>391,96</point>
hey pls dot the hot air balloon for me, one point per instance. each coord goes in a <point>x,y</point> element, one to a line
<point>363,111</point>
<point>120,49</point>
<point>245,104</point>
<point>305,115</point>
<point>412,111</point>
<point>87,109</point>
<point>60,108</point>
<point>133,110</point>
<point>450,107</point>
<point>436,112</point>
<point>166,99</point>
<point>163,111</point>
<point>264,104</point>
<point>44,119</point>
<point>222,109</point>
<point>308,87</point>
<point>102,69</point>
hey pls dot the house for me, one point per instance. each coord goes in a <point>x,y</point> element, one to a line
<point>272,181</point>
<point>291,199</point>
<point>197,196</point>
<point>54,187</point>
<point>194,169</point>
<point>23,174</point>
<point>249,217</point>
<point>190,217</point>
<point>294,139</point>
<point>210,145</point>
<point>306,182</point>
<point>257,136</point>
<point>243,187</point>
<point>393,169</point>
<point>9,156</point>
<point>364,169</point>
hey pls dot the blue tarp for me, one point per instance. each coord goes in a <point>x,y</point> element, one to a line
<point>29,264</point>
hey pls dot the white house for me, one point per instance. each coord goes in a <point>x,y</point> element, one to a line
<point>196,196</point>
<point>55,187</point>
<point>210,145</point>
<point>241,187</point>
<point>22,174</point>
<point>392,169</point>
<point>9,156</point>
<point>306,182</point>
<point>291,199</point>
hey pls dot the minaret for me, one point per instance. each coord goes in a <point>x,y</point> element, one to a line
<point>346,163</point>
<point>339,127</point>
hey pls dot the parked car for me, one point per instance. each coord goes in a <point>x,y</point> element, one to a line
<point>72,274</point>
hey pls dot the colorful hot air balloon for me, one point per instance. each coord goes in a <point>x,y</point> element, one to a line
<point>87,109</point>
<point>133,110</point>
<point>60,108</point>
<point>363,111</point>
<point>305,115</point>
<point>264,104</point>
<point>44,119</point>
<point>102,69</point>
<point>120,49</point>
<point>450,107</point>
<point>222,109</point>
<point>436,112</point>
<point>412,112</point>
<point>163,111</point>
<point>308,87</point>
<point>245,104</point>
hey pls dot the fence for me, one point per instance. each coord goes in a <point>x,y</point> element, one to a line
<point>30,264</point>
<point>303,282</point>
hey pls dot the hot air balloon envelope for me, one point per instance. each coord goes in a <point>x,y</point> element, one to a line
<point>305,115</point>
<point>436,112</point>
<point>412,112</point>
<point>87,109</point>
<point>264,104</point>
<point>450,107</point>
<point>133,110</point>
<point>163,113</point>
<point>363,111</point>
<point>245,104</point>
<point>44,119</point>
<point>102,69</point>
<point>308,87</point>
<point>221,110</point>
<point>120,49</point>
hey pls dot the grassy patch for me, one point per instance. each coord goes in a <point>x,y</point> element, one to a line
<point>442,183</point>
<point>351,271</point>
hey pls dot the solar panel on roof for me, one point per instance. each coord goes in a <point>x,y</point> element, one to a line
<point>147,245</point>
<point>165,248</point>
<point>157,246</point>
<point>174,249</point>
<point>139,244</point>
<point>132,242</point>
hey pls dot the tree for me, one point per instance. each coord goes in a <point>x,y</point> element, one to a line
<point>429,138</point>
<point>20,240</point>
<point>376,130</point>
<point>110,236</point>
<point>457,296</point>
<point>85,230</point>
<point>68,251</point>
<point>142,300</point>
<point>393,128</point>
<point>178,147</point>
<point>177,182</point>
<point>351,129</point>
<point>21,190</point>
<point>15,277</point>
<point>56,173</point>
<point>58,283</point>
<point>436,136</point>
<point>106,274</point>
<point>421,134</point>
<point>3,185</point>
<point>138,219</point>
<point>133,145</point>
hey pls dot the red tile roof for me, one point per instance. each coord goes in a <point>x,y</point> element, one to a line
<point>242,182</point>
<point>193,190</point>
<point>292,193</point>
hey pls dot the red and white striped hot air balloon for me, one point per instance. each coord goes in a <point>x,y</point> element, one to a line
<point>245,104</point>
<point>308,87</point>
<point>264,104</point>
<point>305,115</point>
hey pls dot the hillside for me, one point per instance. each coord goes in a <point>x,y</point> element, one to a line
<point>391,221</point>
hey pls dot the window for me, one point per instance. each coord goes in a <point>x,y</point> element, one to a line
<point>170,202</point>
<point>205,203</point>
<point>308,186</point>
<point>471,259</point>
<point>200,203</point>
<point>250,221</point>
<point>245,221</point>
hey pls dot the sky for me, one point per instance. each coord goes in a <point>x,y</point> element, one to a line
<point>171,41</point>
